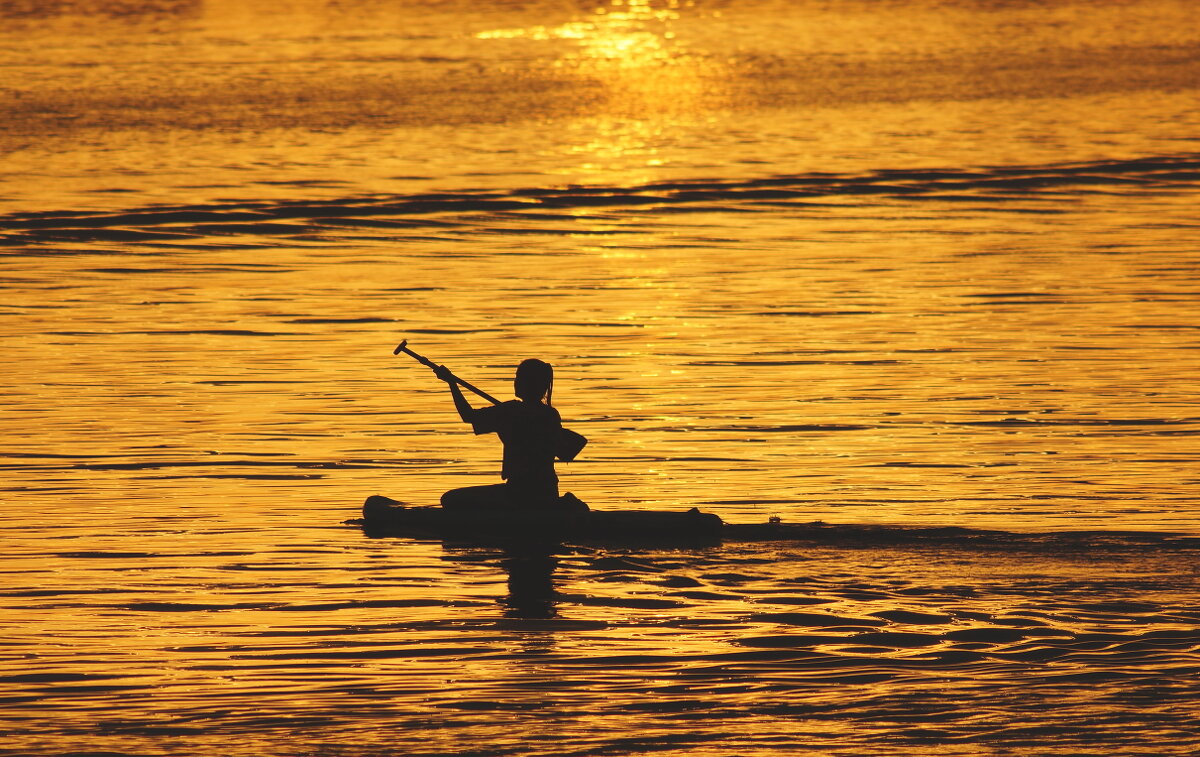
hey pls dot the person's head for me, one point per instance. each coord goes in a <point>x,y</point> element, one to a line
<point>535,379</point>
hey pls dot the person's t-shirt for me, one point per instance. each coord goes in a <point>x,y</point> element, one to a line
<point>529,431</point>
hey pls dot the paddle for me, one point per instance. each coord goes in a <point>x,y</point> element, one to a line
<point>403,347</point>
<point>567,446</point>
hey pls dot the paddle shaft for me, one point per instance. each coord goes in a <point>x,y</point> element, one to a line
<point>403,347</point>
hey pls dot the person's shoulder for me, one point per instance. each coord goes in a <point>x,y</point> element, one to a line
<point>490,417</point>
<point>539,410</point>
<point>507,412</point>
<point>548,414</point>
<point>501,408</point>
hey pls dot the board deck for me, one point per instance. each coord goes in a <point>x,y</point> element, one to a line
<point>382,515</point>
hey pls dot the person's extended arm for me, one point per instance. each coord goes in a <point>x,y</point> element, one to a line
<point>465,411</point>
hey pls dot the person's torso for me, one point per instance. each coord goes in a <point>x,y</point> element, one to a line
<point>528,431</point>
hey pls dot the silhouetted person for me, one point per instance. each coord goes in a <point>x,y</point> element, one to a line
<point>529,428</point>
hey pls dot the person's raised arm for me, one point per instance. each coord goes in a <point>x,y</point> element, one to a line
<point>465,411</point>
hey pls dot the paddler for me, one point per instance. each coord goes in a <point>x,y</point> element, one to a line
<point>531,430</point>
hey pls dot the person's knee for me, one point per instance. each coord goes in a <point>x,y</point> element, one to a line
<point>455,498</point>
<point>474,497</point>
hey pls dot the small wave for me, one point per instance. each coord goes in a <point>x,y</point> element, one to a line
<point>786,428</point>
<point>340,320</point>
<point>161,225</point>
<point>815,620</point>
<point>1060,542</point>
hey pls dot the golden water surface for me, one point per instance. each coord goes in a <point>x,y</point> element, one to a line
<point>867,263</point>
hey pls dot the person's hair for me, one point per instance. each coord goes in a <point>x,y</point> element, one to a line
<point>535,379</point>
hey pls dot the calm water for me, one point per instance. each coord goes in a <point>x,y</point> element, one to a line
<point>879,264</point>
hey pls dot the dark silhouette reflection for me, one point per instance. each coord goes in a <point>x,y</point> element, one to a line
<point>529,566</point>
<point>531,592</point>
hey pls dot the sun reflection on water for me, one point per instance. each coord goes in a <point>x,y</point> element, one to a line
<point>621,33</point>
<point>634,50</point>
<point>645,81</point>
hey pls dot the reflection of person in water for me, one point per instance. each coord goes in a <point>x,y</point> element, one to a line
<point>530,572</point>
<point>529,429</point>
<point>531,592</point>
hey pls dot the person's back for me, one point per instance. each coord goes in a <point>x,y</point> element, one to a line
<point>528,431</point>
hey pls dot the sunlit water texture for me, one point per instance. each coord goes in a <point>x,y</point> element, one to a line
<point>885,265</point>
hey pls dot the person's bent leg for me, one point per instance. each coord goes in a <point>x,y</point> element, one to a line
<point>476,497</point>
<point>533,495</point>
